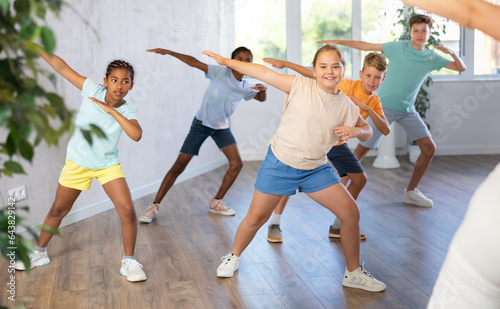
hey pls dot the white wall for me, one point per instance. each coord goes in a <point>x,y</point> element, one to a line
<point>167,92</point>
<point>462,117</point>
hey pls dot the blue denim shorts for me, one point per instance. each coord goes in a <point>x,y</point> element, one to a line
<point>344,160</point>
<point>277,178</point>
<point>199,133</point>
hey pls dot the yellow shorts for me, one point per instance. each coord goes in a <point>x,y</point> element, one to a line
<point>76,177</point>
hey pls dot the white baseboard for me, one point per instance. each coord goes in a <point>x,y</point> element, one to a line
<point>464,150</point>
<point>85,212</point>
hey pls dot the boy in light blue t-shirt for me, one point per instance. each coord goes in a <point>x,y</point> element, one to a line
<point>225,91</point>
<point>409,64</point>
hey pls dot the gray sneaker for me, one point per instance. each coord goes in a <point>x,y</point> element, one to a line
<point>362,279</point>
<point>335,233</point>
<point>274,233</point>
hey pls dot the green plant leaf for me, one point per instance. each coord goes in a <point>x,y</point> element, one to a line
<point>10,145</point>
<point>95,129</point>
<point>14,167</point>
<point>5,114</point>
<point>26,150</point>
<point>48,39</point>
<point>27,100</point>
<point>4,6</point>
<point>49,229</point>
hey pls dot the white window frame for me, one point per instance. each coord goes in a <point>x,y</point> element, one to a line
<point>294,40</point>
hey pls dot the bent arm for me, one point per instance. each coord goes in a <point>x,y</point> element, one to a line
<point>131,127</point>
<point>260,72</point>
<point>61,67</point>
<point>364,130</point>
<point>380,122</point>
<point>189,60</point>
<point>361,45</point>
<point>469,13</point>
<point>457,64</point>
<point>262,94</point>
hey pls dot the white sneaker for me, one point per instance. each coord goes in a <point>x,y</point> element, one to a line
<point>37,258</point>
<point>132,270</point>
<point>228,266</point>
<point>361,279</point>
<point>219,207</point>
<point>415,197</point>
<point>150,213</point>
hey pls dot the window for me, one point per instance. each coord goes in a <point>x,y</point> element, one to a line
<point>486,52</point>
<point>260,25</point>
<point>289,29</point>
<point>324,19</point>
<point>450,38</point>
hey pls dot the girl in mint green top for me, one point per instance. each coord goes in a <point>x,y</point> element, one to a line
<point>105,107</point>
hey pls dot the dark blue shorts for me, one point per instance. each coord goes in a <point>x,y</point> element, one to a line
<point>344,160</point>
<point>278,178</point>
<point>199,133</point>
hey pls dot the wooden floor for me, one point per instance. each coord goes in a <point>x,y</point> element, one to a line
<point>180,251</point>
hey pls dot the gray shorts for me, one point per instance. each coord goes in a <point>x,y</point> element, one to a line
<point>413,125</point>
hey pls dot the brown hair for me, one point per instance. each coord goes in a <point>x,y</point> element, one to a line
<point>419,19</point>
<point>376,60</point>
<point>329,47</point>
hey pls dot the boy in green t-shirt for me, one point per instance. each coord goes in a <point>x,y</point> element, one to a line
<point>410,62</point>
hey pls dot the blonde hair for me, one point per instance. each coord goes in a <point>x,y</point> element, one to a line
<point>329,47</point>
<point>376,60</point>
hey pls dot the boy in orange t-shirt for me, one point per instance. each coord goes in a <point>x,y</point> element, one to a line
<point>343,159</point>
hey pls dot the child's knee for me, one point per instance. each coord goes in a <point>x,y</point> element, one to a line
<point>256,220</point>
<point>59,210</point>
<point>359,180</point>
<point>350,215</point>
<point>127,213</point>
<point>236,166</point>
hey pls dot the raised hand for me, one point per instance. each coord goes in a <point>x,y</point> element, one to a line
<point>220,60</point>
<point>105,107</point>
<point>361,105</point>
<point>259,87</point>
<point>160,51</point>
<point>276,63</point>
<point>444,49</point>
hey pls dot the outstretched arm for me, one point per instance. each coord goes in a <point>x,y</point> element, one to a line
<point>469,13</point>
<point>457,64</point>
<point>130,126</point>
<point>361,45</point>
<point>191,61</point>
<point>260,72</point>
<point>361,130</point>
<point>280,64</point>
<point>380,122</point>
<point>60,67</point>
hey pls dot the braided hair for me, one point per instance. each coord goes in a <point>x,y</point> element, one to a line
<point>120,64</point>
